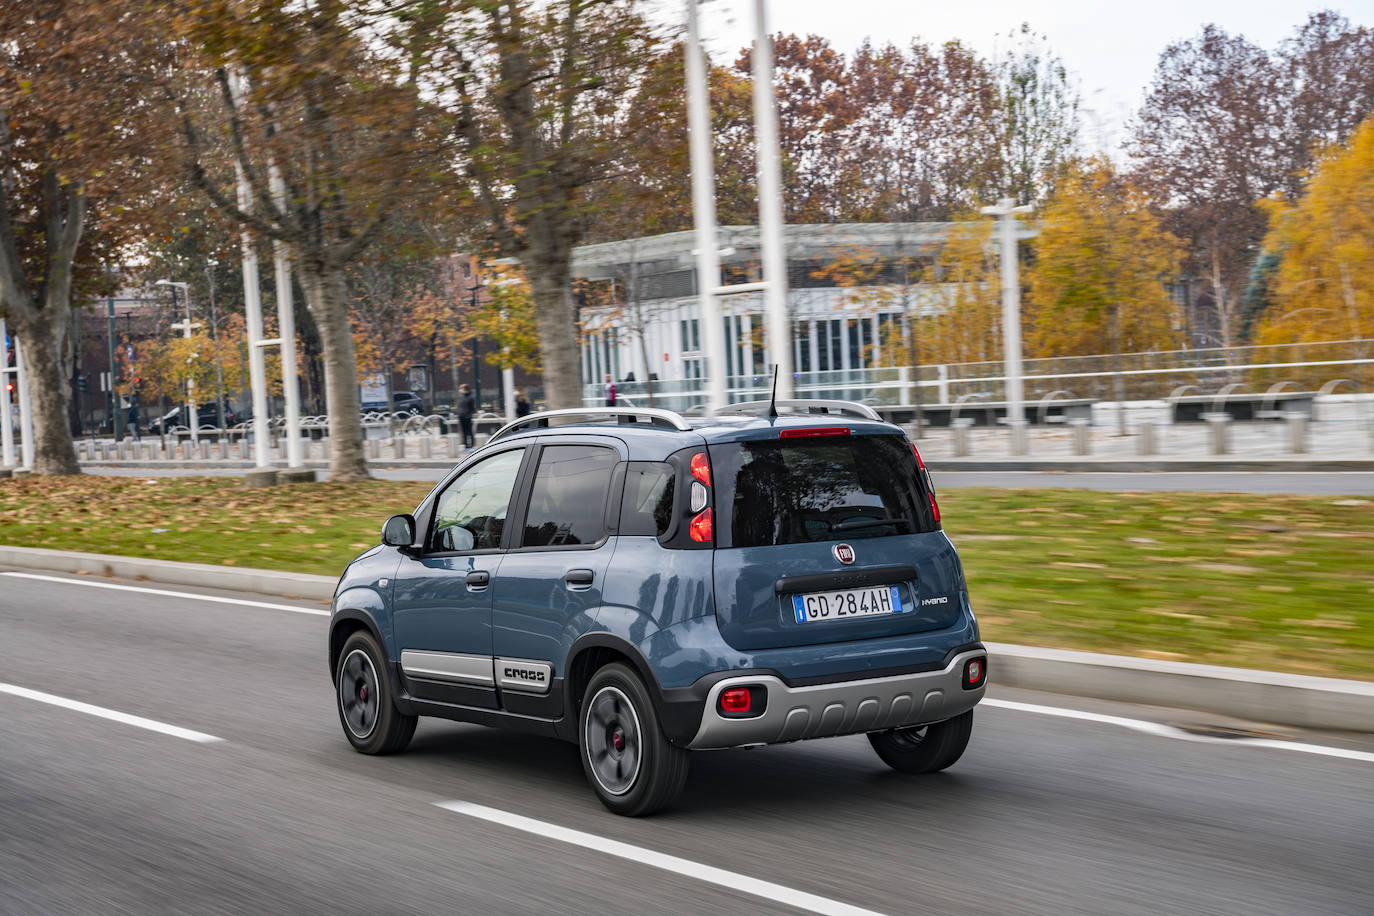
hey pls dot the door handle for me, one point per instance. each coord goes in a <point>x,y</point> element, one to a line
<point>579,578</point>
<point>479,579</point>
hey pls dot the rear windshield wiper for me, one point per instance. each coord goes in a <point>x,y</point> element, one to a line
<point>854,524</point>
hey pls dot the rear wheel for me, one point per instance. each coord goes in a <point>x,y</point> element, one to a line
<point>925,748</point>
<point>367,711</point>
<point>628,761</point>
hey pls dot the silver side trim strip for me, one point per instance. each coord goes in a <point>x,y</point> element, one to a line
<point>448,666</point>
<point>523,674</point>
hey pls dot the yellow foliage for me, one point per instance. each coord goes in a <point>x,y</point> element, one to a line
<point>1101,264</point>
<point>1324,286</point>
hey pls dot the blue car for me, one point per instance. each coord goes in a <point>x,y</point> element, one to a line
<point>647,585</point>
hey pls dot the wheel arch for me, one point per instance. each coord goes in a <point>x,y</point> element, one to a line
<point>590,653</point>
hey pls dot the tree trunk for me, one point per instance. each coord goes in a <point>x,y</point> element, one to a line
<point>557,342</point>
<point>53,452</point>
<point>325,295</point>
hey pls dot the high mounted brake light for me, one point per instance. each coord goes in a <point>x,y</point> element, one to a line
<point>813,432</point>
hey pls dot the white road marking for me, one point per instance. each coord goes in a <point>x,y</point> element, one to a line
<point>138,721</point>
<point>708,873</point>
<point>1169,731</point>
<point>317,612</point>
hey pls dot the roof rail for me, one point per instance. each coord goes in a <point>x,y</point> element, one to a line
<point>654,416</point>
<point>804,406</point>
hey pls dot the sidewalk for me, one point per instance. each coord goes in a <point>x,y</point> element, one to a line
<point>1261,696</point>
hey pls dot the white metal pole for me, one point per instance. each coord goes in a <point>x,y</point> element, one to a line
<point>252,301</point>
<point>777,327</point>
<point>704,211</point>
<point>6,417</point>
<point>25,408</point>
<point>1006,211</point>
<point>286,325</point>
<point>508,387</point>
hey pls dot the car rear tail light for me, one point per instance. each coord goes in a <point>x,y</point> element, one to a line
<point>701,529</point>
<point>813,432</point>
<point>930,487</point>
<point>701,468</point>
<point>735,700</point>
<point>975,673</point>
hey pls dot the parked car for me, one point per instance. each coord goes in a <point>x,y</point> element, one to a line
<point>407,401</point>
<point>647,585</point>
<point>205,413</point>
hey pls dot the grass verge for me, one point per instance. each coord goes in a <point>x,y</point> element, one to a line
<point>1277,582</point>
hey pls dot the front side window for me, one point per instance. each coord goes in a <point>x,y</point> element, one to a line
<point>471,513</point>
<point>568,499</point>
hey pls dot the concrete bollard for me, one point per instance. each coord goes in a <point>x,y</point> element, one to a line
<point>1147,442</point>
<point>1297,432</point>
<point>374,449</point>
<point>1082,436</point>
<point>1218,432</point>
<point>205,449</point>
<point>1020,438</point>
<point>426,448</point>
<point>223,450</point>
<point>961,438</point>
<point>455,445</point>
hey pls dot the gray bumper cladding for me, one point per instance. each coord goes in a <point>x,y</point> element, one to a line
<point>845,708</point>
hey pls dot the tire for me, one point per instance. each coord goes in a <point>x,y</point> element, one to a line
<point>924,749</point>
<point>362,695</point>
<point>628,762</point>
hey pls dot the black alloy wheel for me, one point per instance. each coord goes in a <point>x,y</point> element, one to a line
<point>370,719</point>
<point>631,766</point>
<point>924,748</point>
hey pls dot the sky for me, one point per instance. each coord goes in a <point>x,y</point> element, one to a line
<point>1112,47</point>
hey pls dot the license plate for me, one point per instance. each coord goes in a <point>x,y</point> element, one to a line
<point>847,603</point>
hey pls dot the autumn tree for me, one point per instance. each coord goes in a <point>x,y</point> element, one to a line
<point>542,94</point>
<point>964,325</point>
<point>1323,288</point>
<point>322,96</point>
<point>1039,117</point>
<point>1101,264</point>
<point>73,179</point>
<point>1208,141</point>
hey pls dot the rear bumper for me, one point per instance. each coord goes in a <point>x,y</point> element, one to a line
<point>794,713</point>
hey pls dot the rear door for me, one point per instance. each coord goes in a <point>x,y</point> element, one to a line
<point>826,538</point>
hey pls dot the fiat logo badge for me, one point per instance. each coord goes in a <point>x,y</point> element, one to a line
<point>844,553</point>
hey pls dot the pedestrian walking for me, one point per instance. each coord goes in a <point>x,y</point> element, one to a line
<point>132,419</point>
<point>610,391</point>
<point>467,406</point>
<point>522,403</point>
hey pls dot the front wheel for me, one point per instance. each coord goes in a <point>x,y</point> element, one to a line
<point>628,761</point>
<point>925,748</point>
<point>370,719</point>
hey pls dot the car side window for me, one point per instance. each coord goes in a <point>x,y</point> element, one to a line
<point>568,499</point>
<point>471,512</point>
<point>647,508</point>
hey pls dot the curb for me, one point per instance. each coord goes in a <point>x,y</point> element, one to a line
<point>1263,696</point>
<point>167,572</point>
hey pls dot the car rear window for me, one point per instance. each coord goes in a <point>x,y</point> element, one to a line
<point>647,509</point>
<point>772,492</point>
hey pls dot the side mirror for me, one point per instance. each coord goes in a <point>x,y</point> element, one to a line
<point>399,531</point>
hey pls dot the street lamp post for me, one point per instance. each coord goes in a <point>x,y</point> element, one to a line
<point>1006,211</point>
<point>192,417</point>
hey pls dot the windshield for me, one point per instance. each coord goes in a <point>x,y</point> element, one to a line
<point>800,490</point>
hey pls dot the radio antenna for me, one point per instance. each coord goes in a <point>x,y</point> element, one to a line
<point>773,398</point>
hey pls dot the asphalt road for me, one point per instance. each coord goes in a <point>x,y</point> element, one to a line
<point>1351,483</point>
<point>1043,814</point>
